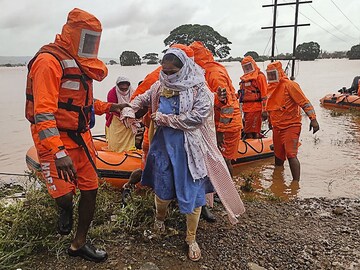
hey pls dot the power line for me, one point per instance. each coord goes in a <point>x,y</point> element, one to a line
<point>345,15</point>
<point>331,23</point>
<point>323,28</point>
<point>319,25</point>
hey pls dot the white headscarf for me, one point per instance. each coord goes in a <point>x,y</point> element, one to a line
<point>189,75</point>
<point>123,97</point>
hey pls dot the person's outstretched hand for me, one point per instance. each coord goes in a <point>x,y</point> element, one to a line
<point>118,107</point>
<point>314,125</point>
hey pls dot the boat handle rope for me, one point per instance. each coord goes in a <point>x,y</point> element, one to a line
<point>256,151</point>
<point>112,164</point>
<point>354,100</point>
<point>121,162</point>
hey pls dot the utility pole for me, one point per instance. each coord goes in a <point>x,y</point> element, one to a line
<point>295,25</point>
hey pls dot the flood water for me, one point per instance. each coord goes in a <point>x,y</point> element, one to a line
<point>330,163</point>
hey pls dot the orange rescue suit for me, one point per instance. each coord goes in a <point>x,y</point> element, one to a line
<point>59,99</point>
<point>253,88</point>
<point>227,114</point>
<point>285,99</point>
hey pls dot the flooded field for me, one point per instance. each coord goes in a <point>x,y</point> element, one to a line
<point>330,163</point>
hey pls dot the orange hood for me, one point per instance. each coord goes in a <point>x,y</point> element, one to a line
<point>189,52</point>
<point>201,53</point>
<point>72,39</point>
<point>252,75</point>
<point>282,76</point>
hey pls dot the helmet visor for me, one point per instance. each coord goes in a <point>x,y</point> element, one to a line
<point>248,67</point>
<point>272,75</point>
<point>89,43</point>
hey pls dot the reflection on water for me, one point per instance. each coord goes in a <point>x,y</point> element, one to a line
<point>330,163</point>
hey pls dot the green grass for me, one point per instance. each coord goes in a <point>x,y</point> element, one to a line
<point>28,226</point>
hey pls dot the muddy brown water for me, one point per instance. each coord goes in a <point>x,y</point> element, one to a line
<point>330,163</point>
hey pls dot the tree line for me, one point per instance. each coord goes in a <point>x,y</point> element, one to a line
<point>218,45</point>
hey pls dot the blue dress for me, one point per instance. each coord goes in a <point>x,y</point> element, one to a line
<point>166,169</point>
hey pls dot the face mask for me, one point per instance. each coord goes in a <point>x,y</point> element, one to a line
<point>170,78</point>
<point>272,76</point>
<point>89,43</point>
<point>248,68</point>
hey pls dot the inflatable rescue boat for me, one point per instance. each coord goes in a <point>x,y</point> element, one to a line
<point>115,168</point>
<point>342,101</point>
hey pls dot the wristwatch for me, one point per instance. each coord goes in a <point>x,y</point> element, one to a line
<point>60,154</point>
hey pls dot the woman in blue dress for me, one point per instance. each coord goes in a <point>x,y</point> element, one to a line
<point>175,167</point>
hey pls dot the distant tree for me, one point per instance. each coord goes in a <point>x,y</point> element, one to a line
<point>308,50</point>
<point>152,58</point>
<point>283,56</point>
<point>112,62</point>
<point>339,54</point>
<point>354,52</point>
<point>130,58</point>
<point>188,33</point>
<point>253,54</point>
<point>336,54</point>
<point>263,58</point>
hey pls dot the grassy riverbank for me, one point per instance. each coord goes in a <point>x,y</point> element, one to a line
<point>300,234</point>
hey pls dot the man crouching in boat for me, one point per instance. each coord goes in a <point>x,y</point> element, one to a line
<point>60,105</point>
<point>283,105</point>
<point>354,88</point>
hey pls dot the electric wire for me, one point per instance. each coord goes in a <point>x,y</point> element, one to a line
<point>331,23</point>
<point>267,45</point>
<point>345,15</point>
<point>319,25</point>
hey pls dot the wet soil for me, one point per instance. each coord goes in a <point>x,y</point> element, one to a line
<point>300,234</point>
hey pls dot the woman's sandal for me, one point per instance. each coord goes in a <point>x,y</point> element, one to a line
<point>159,226</point>
<point>194,251</point>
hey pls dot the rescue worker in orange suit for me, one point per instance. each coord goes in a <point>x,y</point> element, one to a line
<point>227,111</point>
<point>60,105</point>
<point>228,122</point>
<point>285,98</point>
<point>253,90</point>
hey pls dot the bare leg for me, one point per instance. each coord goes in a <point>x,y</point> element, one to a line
<point>295,168</point>
<point>65,222</point>
<point>65,201</point>
<point>279,162</point>
<point>86,214</point>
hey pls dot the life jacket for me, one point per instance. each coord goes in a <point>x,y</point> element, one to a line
<point>75,101</point>
<point>249,91</point>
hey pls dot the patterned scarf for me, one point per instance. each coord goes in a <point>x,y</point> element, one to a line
<point>188,76</point>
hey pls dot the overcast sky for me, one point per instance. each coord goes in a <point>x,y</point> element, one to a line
<point>142,25</point>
